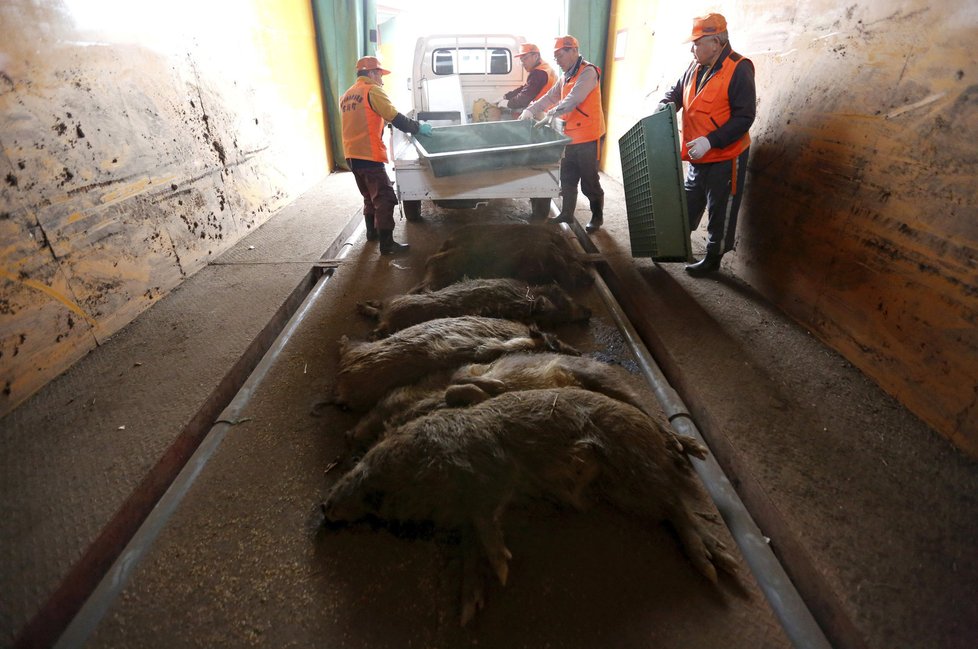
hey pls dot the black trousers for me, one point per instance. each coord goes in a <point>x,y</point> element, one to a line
<point>580,165</point>
<point>716,187</point>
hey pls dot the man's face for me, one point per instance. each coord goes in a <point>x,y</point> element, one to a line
<point>566,57</point>
<point>377,76</point>
<point>705,49</point>
<point>530,61</point>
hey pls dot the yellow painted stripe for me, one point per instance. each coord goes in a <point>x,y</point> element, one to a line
<point>50,292</point>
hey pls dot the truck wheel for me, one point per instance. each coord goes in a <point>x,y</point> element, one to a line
<point>412,210</point>
<point>540,207</point>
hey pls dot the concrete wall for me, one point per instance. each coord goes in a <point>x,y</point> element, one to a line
<point>139,141</point>
<point>860,217</point>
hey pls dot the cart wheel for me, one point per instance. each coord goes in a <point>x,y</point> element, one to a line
<point>412,210</point>
<point>540,207</point>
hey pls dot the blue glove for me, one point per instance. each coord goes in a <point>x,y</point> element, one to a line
<point>425,129</point>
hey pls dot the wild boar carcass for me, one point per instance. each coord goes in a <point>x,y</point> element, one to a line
<point>545,305</point>
<point>460,468</point>
<point>368,370</point>
<point>534,253</point>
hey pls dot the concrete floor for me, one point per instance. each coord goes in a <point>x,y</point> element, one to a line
<point>873,514</point>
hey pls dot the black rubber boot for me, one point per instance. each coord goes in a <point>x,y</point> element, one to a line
<point>567,207</point>
<point>387,244</point>
<point>597,215</point>
<point>708,264</point>
<point>371,230</point>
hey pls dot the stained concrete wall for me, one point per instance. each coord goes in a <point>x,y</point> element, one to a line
<point>860,217</point>
<point>139,141</point>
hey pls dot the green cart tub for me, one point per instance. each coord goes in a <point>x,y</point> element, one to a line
<point>487,146</point>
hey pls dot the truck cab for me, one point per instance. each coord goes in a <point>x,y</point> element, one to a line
<point>451,72</point>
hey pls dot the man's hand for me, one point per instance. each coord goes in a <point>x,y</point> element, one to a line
<point>526,115</point>
<point>661,107</point>
<point>502,103</point>
<point>548,120</point>
<point>425,129</point>
<point>698,148</point>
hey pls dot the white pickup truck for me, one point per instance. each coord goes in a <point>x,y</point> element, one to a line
<point>449,74</point>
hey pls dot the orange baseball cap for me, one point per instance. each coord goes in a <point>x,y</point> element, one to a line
<point>528,48</point>
<point>565,41</point>
<point>708,25</point>
<point>370,63</point>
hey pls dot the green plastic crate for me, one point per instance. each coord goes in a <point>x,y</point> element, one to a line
<point>655,201</point>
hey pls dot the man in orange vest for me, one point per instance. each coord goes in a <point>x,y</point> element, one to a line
<point>576,100</point>
<point>365,109</point>
<point>718,102</point>
<point>539,79</point>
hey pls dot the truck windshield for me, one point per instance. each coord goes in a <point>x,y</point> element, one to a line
<point>471,60</point>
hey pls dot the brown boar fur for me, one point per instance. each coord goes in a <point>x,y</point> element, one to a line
<point>511,372</point>
<point>545,305</point>
<point>531,372</point>
<point>460,468</point>
<point>534,253</point>
<point>368,370</point>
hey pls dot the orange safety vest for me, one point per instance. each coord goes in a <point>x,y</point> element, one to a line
<point>709,109</point>
<point>551,79</point>
<point>363,127</point>
<point>586,122</point>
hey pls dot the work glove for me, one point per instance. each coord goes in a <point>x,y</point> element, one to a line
<point>526,115</point>
<point>698,148</point>
<point>425,129</point>
<point>661,107</point>
<point>548,120</point>
<point>503,103</point>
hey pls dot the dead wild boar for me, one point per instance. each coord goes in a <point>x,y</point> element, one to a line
<point>368,370</point>
<point>460,468</point>
<point>533,253</point>
<point>545,305</point>
<point>479,381</point>
<point>399,406</point>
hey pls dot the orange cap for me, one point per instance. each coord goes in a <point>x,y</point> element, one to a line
<point>370,63</point>
<point>528,48</point>
<point>708,25</point>
<point>565,41</point>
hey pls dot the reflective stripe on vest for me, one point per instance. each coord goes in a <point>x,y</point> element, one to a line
<point>586,122</point>
<point>363,127</point>
<point>709,109</point>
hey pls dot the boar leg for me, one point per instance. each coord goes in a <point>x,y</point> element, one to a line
<point>490,535</point>
<point>473,585</point>
<point>689,446</point>
<point>705,551</point>
<point>365,432</point>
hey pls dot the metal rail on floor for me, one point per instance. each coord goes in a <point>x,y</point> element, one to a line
<point>77,633</point>
<point>788,606</point>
